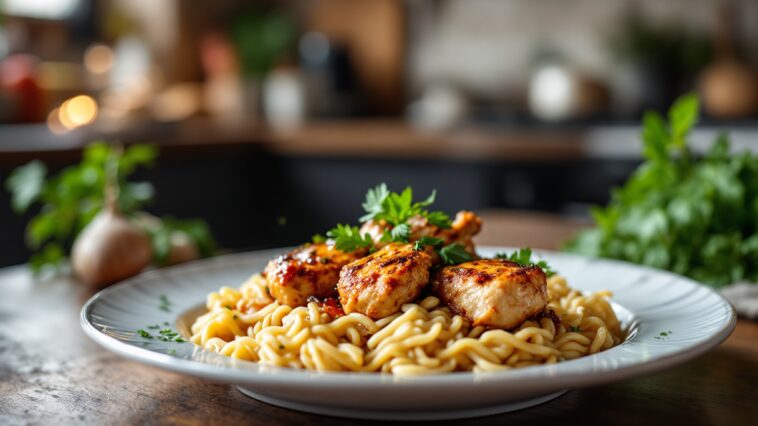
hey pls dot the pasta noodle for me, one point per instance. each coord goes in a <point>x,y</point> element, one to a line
<point>423,338</point>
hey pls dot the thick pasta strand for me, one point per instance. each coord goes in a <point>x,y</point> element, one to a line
<point>423,338</point>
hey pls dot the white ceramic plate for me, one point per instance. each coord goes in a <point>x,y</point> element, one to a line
<point>647,302</point>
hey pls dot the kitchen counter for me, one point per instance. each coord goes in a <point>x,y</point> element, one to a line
<point>383,138</point>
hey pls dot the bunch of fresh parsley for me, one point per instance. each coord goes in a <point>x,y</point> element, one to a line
<point>396,209</point>
<point>694,215</point>
<point>70,199</point>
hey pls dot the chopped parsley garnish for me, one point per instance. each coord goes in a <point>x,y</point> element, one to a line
<point>154,327</point>
<point>318,239</point>
<point>348,238</point>
<point>165,304</point>
<point>663,333</point>
<point>523,257</point>
<point>427,241</point>
<point>575,329</point>
<point>396,209</point>
<point>165,335</point>
<point>453,254</point>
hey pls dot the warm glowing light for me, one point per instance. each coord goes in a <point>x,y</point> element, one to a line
<point>78,111</point>
<point>54,122</point>
<point>98,59</point>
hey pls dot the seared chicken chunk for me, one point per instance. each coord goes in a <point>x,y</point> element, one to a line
<point>309,270</point>
<point>464,227</point>
<point>492,292</point>
<point>380,283</point>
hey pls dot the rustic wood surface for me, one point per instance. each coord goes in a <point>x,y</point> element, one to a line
<point>51,373</point>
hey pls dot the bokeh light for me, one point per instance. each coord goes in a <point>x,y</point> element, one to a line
<point>77,111</point>
<point>98,59</point>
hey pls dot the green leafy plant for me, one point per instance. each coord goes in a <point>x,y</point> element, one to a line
<point>262,38</point>
<point>523,257</point>
<point>69,200</point>
<point>696,215</point>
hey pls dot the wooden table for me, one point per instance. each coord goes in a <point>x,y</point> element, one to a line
<point>51,373</point>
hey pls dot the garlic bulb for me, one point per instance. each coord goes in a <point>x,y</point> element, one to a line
<point>110,249</point>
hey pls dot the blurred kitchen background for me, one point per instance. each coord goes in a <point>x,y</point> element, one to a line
<point>274,117</point>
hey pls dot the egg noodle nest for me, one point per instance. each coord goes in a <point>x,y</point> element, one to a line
<point>423,338</point>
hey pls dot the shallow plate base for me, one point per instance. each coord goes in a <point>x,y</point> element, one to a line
<point>402,415</point>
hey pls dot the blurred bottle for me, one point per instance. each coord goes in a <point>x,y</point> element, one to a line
<point>284,99</point>
<point>728,85</point>
<point>223,91</point>
<point>22,100</point>
<point>329,77</point>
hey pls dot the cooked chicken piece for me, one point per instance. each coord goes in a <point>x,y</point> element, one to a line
<point>464,227</point>
<point>492,292</point>
<point>380,283</point>
<point>309,270</point>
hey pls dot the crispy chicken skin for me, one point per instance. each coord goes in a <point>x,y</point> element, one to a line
<point>492,292</point>
<point>380,283</point>
<point>464,227</point>
<point>309,270</point>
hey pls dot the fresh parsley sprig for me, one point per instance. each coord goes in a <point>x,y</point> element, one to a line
<point>348,238</point>
<point>523,257</point>
<point>397,208</point>
<point>453,254</point>
<point>427,241</point>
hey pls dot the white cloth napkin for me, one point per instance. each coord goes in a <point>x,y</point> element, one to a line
<point>744,297</point>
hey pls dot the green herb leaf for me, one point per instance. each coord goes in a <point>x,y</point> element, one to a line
<point>401,232</point>
<point>318,239</point>
<point>165,304</point>
<point>427,241</point>
<point>374,201</point>
<point>144,334</point>
<point>575,329</point>
<point>348,238</point>
<point>26,184</point>
<point>439,219</point>
<point>454,254</point>
<point>523,257</point>
<point>682,118</point>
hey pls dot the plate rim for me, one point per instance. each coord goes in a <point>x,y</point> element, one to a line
<point>286,376</point>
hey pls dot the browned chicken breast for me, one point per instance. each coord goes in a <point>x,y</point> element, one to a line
<point>464,227</point>
<point>380,283</point>
<point>309,270</point>
<point>492,292</point>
